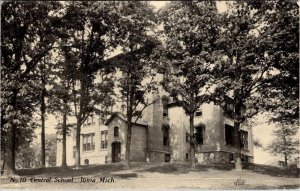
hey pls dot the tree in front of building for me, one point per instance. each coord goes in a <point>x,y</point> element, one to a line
<point>285,143</point>
<point>92,30</point>
<point>190,30</point>
<point>249,60</point>
<point>137,66</point>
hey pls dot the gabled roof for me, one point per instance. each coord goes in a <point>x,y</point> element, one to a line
<point>139,121</point>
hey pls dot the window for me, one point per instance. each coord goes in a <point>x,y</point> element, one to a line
<point>104,141</point>
<point>116,131</point>
<point>88,142</point>
<point>245,158</point>
<point>165,136</point>
<point>165,108</point>
<point>229,135</point>
<point>186,156</point>
<point>167,157</point>
<point>244,139</point>
<point>86,161</point>
<point>199,134</point>
<point>198,113</point>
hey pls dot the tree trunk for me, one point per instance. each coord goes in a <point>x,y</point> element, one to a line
<point>9,161</point>
<point>192,143</point>
<point>43,160</point>
<point>285,160</point>
<point>237,117</point>
<point>43,110</point>
<point>128,143</point>
<point>64,134</point>
<point>10,152</point>
<point>77,155</point>
<point>129,102</point>
<point>238,160</point>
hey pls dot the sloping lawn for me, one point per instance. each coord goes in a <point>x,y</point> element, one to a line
<point>164,176</point>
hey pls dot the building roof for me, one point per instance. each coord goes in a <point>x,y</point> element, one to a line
<point>139,121</point>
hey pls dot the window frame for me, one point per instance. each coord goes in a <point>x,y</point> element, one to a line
<point>116,131</point>
<point>88,142</point>
<point>226,132</point>
<point>199,111</point>
<point>104,143</point>
<point>166,136</point>
<point>201,132</point>
<point>244,139</point>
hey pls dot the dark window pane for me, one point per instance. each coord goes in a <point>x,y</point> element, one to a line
<point>229,135</point>
<point>165,136</point>
<point>198,113</point>
<point>199,135</point>
<point>116,131</point>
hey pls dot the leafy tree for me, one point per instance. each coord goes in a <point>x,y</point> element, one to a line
<point>282,89</point>
<point>285,144</point>
<point>41,76</point>
<point>137,65</point>
<point>92,30</point>
<point>29,154</point>
<point>50,149</point>
<point>28,34</point>
<point>191,30</point>
<point>246,65</point>
<point>25,156</point>
<point>61,95</point>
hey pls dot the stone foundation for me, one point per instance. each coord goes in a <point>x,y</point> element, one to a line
<point>212,157</point>
<point>156,156</point>
<point>218,157</point>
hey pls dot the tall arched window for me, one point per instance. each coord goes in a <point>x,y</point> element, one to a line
<point>116,131</point>
<point>86,161</point>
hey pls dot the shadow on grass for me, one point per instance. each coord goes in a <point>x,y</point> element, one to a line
<point>263,187</point>
<point>71,171</point>
<point>125,176</point>
<point>184,168</point>
<point>273,171</point>
<point>166,168</point>
<point>220,167</point>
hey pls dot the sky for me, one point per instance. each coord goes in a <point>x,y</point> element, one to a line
<point>261,131</point>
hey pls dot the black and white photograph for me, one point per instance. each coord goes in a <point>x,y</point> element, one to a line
<point>150,95</point>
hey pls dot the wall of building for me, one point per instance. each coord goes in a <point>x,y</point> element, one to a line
<point>96,156</point>
<point>153,114</point>
<point>138,146</point>
<point>211,120</point>
<point>179,126</point>
<point>116,122</point>
<point>214,148</point>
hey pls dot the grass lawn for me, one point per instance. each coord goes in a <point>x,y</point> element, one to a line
<point>156,176</point>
